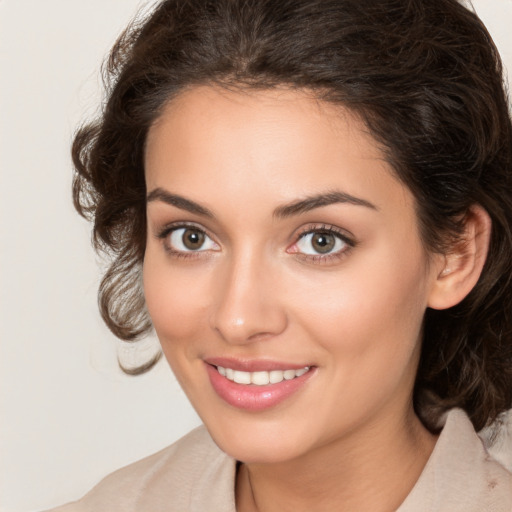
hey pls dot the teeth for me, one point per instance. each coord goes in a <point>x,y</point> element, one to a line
<point>275,376</point>
<point>242,377</point>
<point>261,378</point>
<point>289,374</point>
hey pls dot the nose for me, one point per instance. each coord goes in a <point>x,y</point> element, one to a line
<point>246,307</point>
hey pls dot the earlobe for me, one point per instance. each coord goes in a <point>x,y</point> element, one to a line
<point>462,266</point>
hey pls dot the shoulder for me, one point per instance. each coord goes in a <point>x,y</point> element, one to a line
<point>179,477</point>
<point>461,474</point>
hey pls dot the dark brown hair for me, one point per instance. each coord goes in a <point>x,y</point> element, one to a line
<point>426,79</point>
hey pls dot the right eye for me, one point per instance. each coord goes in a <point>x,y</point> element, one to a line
<point>189,239</point>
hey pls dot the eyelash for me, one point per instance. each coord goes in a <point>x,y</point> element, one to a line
<point>328,230</point>
<point>165,232</point>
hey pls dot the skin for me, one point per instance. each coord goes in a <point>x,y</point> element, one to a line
<point>349,438</point>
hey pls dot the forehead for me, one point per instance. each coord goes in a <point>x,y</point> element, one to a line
<point>279,144</point>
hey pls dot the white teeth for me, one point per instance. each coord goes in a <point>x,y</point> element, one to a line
<point>242,377</point>
<point>289,374</point>
<point>261,378</point>
<point>275,376</point>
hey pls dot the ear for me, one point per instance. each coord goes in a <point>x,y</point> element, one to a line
<point>460,269</point>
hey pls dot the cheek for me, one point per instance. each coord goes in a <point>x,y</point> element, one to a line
<point>368,327</point>
<point>373,309</point>
<point>175,301</point>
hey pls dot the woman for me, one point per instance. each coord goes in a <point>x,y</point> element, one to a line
<point>310,201</point>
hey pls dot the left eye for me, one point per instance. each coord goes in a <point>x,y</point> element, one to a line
<point>320,242</point>
<point>190,240</point>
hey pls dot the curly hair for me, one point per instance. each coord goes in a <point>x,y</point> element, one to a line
<point>425,77</point>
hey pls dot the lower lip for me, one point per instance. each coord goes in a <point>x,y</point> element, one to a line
<point>251,397</point>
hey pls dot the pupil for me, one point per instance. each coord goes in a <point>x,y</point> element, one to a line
<point>193,239</point>
<point>323,242</point>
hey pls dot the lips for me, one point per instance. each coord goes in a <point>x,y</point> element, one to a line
<point>256,385</point>
<point>253,365</point>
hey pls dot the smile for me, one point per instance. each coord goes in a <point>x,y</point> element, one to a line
<point>256,385</point>
<point>262,378</point>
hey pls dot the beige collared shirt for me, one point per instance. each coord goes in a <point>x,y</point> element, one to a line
<point>194,475</point>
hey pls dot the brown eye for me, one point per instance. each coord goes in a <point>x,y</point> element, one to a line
<point>323,242</point>
<point>190,239</point>
<point>193,239</point>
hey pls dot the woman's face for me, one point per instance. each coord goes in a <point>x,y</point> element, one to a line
<point>284,272</point>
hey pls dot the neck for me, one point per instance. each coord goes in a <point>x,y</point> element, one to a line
<point>373,469</point>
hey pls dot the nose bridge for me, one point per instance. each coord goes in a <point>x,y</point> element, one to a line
<point>246,308</point>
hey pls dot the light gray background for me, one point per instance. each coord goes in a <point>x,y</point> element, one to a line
<point>68,416</point>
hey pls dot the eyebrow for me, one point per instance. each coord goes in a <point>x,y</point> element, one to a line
<point>287,210</point>
<point>319,200</point>
<point>159,194</point>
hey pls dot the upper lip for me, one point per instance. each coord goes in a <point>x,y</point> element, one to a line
<point>253,365</point>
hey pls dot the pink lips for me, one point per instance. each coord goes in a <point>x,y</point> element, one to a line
<point>251,397</point>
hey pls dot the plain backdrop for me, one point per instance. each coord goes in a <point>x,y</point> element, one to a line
<point>68,416</point>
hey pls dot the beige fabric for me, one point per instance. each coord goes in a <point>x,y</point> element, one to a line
<point>193,475</point>
<point>460,475</point>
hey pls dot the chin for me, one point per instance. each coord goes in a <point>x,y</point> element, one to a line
<point>258,442</point>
